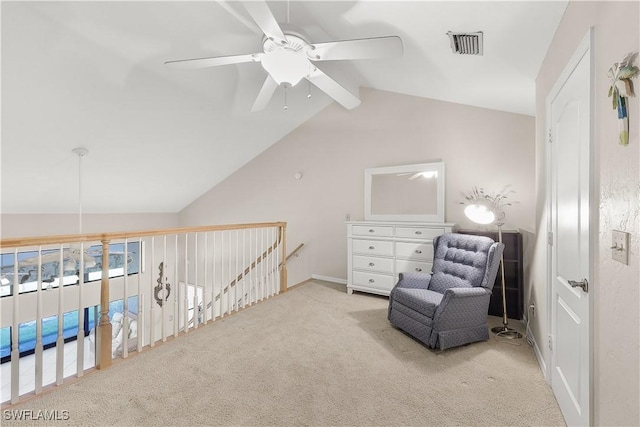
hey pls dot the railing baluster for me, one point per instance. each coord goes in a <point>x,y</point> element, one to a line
<point>244,263</point>
<point>274,248</point>
<point>152,275</point>
<point>39,346</point>
<point>259,241</point>
<point>283,268</point>
<point>236,288</point>
<point>267,261</point>
<point>60,339</point>
<point>274,270</point>
<point>205,285</point>
<point>267,266</point>
<point>274,260</point>
<point>227,281</point>
<point>186,283</point>
<point>224,295</point>
<point>125,305</point>
<point>140,322</point>
<point>80,336</point>
<point>262,265</point>
<point>214,298</point>
<point>15,325</point>
<point>195,283</point>
<point>251,260</point>
<point>267,245</point>
<point>256,269</point>
<point>176,292</point>
<point>163,294</point>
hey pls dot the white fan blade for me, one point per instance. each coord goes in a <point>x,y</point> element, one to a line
<point>268,88</point>
<point>333,89</point>
<point>261,13</point>
<point>214,61</point>
<point>377,47</point>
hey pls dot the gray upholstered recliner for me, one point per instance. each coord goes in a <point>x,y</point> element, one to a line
<point>448,307</point>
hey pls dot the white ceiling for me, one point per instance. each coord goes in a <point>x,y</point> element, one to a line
<point>91,74</point>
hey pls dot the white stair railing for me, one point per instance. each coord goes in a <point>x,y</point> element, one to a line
<point>149,285</point>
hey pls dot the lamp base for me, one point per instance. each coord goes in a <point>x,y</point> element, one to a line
<point>506,332</point>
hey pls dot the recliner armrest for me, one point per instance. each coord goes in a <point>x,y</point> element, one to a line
<point>466,292</point>
<point>414,280</point>
<point>473,302</point>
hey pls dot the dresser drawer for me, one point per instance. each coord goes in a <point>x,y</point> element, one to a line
<point>372,230</point>
<point>426,233</point>
<point>372,247</point>
<point>373,280</point>
<point>384,265</point>
<point>414,251</point>
<point>405,266</point>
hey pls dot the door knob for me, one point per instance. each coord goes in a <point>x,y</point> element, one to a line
<point>584,284</point>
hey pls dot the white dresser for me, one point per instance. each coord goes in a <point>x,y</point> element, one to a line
<point>379,251</point>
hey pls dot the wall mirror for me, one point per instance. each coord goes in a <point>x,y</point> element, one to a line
<point>405,193</point>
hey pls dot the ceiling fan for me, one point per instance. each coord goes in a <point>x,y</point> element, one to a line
<point>288,57</point>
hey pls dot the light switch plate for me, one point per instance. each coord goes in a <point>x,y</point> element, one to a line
<point>620,246</point>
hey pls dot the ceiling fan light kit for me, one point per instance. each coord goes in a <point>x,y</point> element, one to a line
<point>288,57</point>
<point>288,62</point>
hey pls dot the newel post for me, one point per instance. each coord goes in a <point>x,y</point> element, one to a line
<point>283,268</point>
<point>103,333</point>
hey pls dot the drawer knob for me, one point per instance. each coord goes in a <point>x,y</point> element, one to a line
<point>418,269</point>
<point>372,247</point>
<point>418,232</point>
<point>371,230</point>
<point>371,264</point>
<point>371,281</point>
<point>418,251</point>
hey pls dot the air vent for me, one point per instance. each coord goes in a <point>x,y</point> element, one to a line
<point>466,43</point>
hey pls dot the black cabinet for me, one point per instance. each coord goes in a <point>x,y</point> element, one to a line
<point>513,273</point>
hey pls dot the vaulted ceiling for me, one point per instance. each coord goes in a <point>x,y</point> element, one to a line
<point>92,74</point>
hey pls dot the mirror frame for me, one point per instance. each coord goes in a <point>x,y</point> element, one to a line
<point>422,167</point>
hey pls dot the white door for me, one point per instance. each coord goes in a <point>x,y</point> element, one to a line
<point>570,207</point>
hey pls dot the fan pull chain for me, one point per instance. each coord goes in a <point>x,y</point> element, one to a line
<point>286,107</point>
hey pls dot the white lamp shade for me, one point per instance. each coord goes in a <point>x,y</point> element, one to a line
<point>480,214</point>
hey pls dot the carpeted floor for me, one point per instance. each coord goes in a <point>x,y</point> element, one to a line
<point>312,356</point>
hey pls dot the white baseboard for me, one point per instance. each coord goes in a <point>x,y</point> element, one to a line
<point>329,279</point>
<point>538,353</point>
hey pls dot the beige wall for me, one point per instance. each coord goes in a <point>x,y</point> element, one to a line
<point>479,147</point>
<point>29,225</point>
<point>616,287</point>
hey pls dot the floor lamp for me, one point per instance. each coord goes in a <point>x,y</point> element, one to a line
<point>485,209</point>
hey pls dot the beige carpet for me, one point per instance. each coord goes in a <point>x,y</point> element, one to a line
<point>312,356</point>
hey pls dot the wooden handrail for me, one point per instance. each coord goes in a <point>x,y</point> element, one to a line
<point>293,252</point>
<point>98,237</point>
